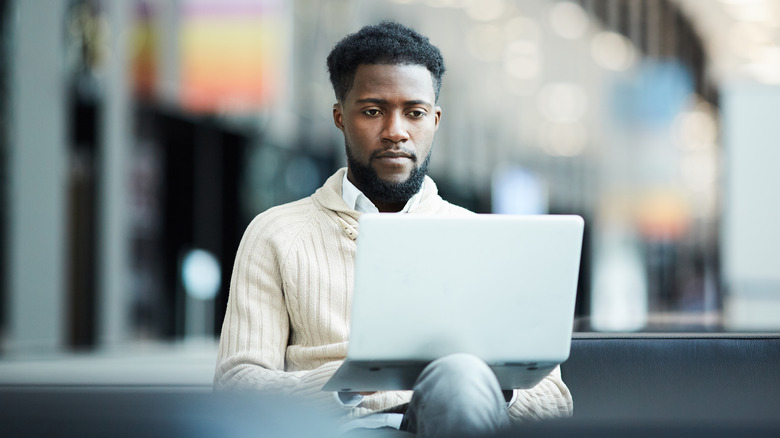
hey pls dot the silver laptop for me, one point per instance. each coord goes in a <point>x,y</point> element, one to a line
<point>500,287</point>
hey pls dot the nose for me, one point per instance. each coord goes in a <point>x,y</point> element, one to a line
<point>395,128</point>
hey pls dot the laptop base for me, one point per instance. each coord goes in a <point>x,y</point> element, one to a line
<point>364,376</point>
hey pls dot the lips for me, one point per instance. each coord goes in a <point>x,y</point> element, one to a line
<point>395,155</point>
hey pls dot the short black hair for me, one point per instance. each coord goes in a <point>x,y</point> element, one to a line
<point>384,43</point>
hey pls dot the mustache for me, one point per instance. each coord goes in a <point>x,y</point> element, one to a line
<point>395,152</point>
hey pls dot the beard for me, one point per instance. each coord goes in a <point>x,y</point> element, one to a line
<point>379,190</point>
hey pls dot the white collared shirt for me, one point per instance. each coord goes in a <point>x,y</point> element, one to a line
<point>356,200</point>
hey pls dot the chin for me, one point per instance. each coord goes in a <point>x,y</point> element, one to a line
<point>395,178</point>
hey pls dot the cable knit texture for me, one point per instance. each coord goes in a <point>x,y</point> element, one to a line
<point>287,321</point>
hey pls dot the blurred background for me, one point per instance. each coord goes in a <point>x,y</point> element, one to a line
<point>138,138</point>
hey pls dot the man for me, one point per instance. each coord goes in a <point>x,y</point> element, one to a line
<point>286,327</point>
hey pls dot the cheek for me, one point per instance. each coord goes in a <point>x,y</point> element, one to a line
<point>356,143</point>
<point>358,135</point>
<point>425,135</point>
<point>352,138</point>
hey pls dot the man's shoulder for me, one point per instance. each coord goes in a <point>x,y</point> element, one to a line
<point>457,210</point>
<point>285,219</point>
<point>448,209</point>
<point>434,204</point>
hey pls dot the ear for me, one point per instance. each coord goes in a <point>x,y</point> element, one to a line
<point>437,117</point>
<point>338,116</point>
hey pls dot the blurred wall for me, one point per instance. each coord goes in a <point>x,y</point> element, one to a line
<point>37,306</point>
<point>751,213</point>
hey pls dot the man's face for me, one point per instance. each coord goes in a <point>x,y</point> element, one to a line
<point>388,118</point>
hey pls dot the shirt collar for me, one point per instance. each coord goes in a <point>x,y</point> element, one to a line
<point>357,201</point>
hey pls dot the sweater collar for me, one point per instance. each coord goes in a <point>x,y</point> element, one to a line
<point>329,197</point>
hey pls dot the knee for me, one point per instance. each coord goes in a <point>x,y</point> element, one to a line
<point>462,391</point>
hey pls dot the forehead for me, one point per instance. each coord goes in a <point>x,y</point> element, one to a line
<point>410,82</point>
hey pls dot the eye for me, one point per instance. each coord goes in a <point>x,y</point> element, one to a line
<point>373,112</point>
<point>417,114</point>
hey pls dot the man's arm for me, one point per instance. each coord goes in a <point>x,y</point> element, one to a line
<point>256,329</point>
<point>549,398</point>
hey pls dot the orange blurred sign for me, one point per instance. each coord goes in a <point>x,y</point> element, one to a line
<point>231,54</point>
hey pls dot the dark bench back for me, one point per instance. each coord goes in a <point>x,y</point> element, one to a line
<point>674,376</point>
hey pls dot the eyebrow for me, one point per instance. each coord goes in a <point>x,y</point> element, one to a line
<point>384,101</point>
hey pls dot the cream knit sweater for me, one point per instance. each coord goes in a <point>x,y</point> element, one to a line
<point>287,321</point>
